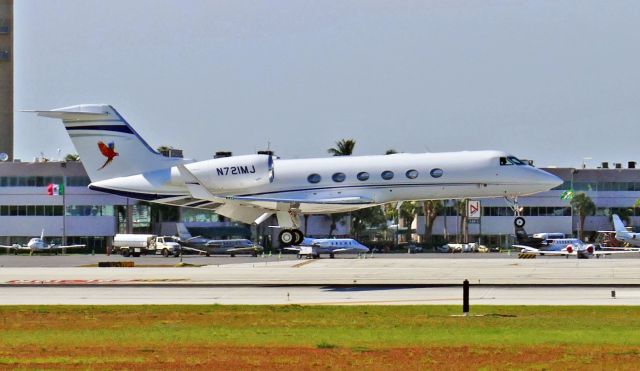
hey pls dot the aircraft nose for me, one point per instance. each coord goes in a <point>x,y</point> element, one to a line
<point>548,180</point>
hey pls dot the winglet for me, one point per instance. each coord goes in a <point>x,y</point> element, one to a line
<point>194,185</point>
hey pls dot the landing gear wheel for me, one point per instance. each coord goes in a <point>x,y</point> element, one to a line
<point>286,237</point>
<point>519,222</point>
<point>298,237</point>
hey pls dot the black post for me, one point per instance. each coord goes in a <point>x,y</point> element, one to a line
<point>465,297</point>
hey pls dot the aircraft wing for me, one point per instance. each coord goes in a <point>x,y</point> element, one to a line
<point>70,246</point>
<point>614,252</point>
<point>249,209</point>
<point>243,249</point>
<point>340,250</point>
<point>293,248</point>
<point>188,248</point>
<point>352,200</point>
<point>533,250</point>
<point>348,249</point>
<point>525,248</point>
<point>14,246</point>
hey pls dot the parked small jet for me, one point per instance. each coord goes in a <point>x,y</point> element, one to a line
<point>557,244</point>
<point>313,247</point>
<point>252,188</point>
<point>208,246</point>
<point>37,245</point>
<point>622,234</point>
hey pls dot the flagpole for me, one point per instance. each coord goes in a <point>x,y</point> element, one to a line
<point>64,214</point>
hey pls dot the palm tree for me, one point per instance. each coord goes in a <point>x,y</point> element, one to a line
<point>625,214</point>
<point>461,208</point>
<point>72,157</point>
<point>366,218</point>
<point>431,209</point>
<point>584,206</point>
<point>344,147</point>
<point>407,212</point>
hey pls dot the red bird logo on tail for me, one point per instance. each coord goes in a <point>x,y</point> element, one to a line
<point>108,151</point>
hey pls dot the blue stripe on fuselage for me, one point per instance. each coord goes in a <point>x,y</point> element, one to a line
<point>136,195</point>
<point>117,128</point>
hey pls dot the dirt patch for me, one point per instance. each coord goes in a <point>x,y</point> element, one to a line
<point>110,356</point>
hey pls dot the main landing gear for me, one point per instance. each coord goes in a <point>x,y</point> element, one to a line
<point>288,237</point>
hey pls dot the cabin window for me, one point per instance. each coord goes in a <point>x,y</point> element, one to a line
<point>436,173</point>
<point>338,177</point>
<point>314,178</point>
<point>412,174</point>
<point>362,176</point>
<point>387,175</point>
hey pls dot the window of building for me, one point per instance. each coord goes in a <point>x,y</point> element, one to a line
<point>314,178</point>
<point>387,175</point>
<point>78,181</point>
<point>198,215</point>
<point>412,174</point>
<point>338,177</point>
<point>363,175</point>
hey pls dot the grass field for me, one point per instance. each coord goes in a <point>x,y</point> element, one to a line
<point>309,337</point>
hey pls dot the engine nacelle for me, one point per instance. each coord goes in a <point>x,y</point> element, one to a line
<point>235,172</point>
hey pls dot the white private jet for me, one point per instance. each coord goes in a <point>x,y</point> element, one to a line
<point>570,247</point>
<point>251,188</point>
<point>37,245</point>
<point>313,247</point>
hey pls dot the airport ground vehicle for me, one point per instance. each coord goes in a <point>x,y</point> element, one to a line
<point>143,244</point>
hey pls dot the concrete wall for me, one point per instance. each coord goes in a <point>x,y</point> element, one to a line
<point>6,78</point>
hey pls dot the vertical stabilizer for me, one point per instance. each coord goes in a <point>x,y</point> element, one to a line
<point>108,146</point>
<point>183,232</point>
<point>621,231</point>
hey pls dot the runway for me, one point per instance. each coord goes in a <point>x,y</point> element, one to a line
<point>346,281</point>
<point>316,295</point>
<point>379,271</point>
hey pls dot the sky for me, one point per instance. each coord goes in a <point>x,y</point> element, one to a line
<point>552,81</point>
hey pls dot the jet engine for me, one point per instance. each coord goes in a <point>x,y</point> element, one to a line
<point>235,172</point>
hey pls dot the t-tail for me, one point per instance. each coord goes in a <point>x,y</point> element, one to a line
<point>183,232</point>
<point>621,231</point>
<point>108,146</point>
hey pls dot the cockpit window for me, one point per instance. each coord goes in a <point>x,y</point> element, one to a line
<point>511,160</point>
<point>514,160</point>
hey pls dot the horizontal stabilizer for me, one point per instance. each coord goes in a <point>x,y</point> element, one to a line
<point>71,115</point>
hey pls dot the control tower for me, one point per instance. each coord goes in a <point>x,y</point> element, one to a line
<point>6,77</point>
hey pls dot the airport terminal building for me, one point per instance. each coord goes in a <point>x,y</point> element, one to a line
<point>76,214</point>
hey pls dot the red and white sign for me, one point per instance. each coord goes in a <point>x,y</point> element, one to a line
<point>473,209</point>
